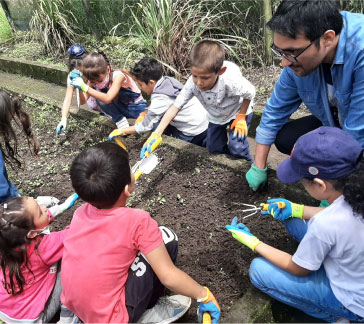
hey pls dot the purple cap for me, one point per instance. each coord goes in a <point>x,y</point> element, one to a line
<point>76,50</point>
<point>325,153</point>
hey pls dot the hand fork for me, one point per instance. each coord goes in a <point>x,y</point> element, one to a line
<point>262,207</point>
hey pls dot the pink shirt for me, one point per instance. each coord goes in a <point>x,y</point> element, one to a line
<point>99,249</point>
<point>38,288</point>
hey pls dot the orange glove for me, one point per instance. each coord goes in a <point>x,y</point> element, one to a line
<point>141,117</point>
<point>209,305</point>
<point>241,128</point>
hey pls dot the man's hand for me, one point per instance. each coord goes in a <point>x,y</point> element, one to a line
<point>290,210</point>
<point>241,128</point>
<point>151,144</point>
<point>141,117</point>
<point>256,177</point>
<point>62,125</point>
<point>209,305</point>
<point>78,83</point>
<point>242,234</point>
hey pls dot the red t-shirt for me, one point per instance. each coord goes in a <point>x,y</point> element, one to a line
<point>99,249</point>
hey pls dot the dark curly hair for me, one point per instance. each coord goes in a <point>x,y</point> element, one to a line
<point>11,110</point>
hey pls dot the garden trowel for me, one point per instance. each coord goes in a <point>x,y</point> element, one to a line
<point>145,166</point>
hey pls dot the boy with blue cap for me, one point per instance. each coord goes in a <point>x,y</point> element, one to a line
<point>324,278</point>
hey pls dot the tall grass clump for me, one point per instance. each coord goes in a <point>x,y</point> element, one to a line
<point>5,29</point>
<point>169,28</point>
<point>53,26</point>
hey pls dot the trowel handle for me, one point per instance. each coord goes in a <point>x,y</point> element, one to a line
<point>120,143</point>
<point>281,205</point>
<point>206,318</point>
<point>137,174</point>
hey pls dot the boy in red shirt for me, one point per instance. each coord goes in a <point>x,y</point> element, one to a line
<point>101,283</point>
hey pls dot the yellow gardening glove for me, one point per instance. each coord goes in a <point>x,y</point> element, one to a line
<point>241,128</point>
<point>151,144</point>
<point>115,133</point>
<point>141,117</point>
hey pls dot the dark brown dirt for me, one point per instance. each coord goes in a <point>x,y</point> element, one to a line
<point>188,193</point>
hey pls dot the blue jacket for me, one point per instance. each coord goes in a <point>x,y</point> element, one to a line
<point>348,80</point>
<point>7,189</point>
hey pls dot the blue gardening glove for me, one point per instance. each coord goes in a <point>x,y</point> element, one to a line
<point>290,210</point>
<point>62,125</point>
<point>209,305</point>
<point>151,144</point>
<point>75,74</point>
<point>242,234</point>
<point>68,203</point>
<point>256,177</point>
<point>78,83</point>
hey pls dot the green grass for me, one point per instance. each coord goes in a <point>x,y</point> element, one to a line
<point>5,29</point>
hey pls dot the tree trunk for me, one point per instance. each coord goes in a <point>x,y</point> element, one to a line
<point>91,19</point>
<point>7,14</point>
<point>268,38</point>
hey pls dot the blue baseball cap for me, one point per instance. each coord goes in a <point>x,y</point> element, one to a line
<point>325,153</point>
<point>76,50</point>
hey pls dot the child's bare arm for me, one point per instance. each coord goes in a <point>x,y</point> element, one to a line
<point>67,101</point>
<point>281,259</point>
<point>167,118</point>
<point>244,106</point>
<point>172,277</point>
<point>111,94</point>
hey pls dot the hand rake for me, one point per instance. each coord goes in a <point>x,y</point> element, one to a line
<point>262,207</point>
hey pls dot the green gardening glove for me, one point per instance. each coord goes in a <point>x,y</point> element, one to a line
<point>79,84</point>
<point>242,234</point>
<point>289,210</point>
<point>256,177</point>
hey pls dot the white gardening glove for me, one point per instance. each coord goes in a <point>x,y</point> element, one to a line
<point>47,201</point>
<point>62,125</point>
<point>68,203</point>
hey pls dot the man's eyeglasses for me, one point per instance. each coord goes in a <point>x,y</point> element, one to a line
<point>289,57</point>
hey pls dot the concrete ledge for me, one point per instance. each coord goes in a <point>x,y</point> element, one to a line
<point>49,73</point>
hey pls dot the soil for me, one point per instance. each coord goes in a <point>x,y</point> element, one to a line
<point>188,193</point>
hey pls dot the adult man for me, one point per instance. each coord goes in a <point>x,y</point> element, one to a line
<point>322,54</point>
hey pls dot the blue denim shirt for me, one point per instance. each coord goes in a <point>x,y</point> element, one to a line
<point>348,80</point>
<point>7,189</point>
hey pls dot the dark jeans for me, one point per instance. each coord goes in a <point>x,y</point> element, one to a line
<point>143,287</point>
<point>125,105</point>
<point>290,132</point>
<point>219,142</point>
<point>199,139</point>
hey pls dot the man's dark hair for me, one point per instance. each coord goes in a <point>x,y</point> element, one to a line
<point>208,54</point>
<point>100,173</point>
<point>147,69</point>
<point>308,17</point>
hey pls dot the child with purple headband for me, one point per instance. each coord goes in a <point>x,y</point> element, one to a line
<point>324,278</point>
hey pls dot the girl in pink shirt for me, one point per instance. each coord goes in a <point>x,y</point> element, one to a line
<point>30,285</point>
<point>114,91</point>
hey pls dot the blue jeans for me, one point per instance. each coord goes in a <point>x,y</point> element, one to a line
<point>125,105</point>
<point>219,142</point>
<point>312,293</point>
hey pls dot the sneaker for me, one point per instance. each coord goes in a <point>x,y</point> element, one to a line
<point>122,123</point>
<point>167,310</point>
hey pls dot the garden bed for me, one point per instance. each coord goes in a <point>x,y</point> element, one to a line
<point>189,192</point>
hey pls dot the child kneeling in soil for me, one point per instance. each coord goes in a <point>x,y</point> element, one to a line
<point>189,125</point>
<point>324,278</point>
<point>104,276</point>
<point>30,287</point>
<point>226,95</point>
<point>113,91</point>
